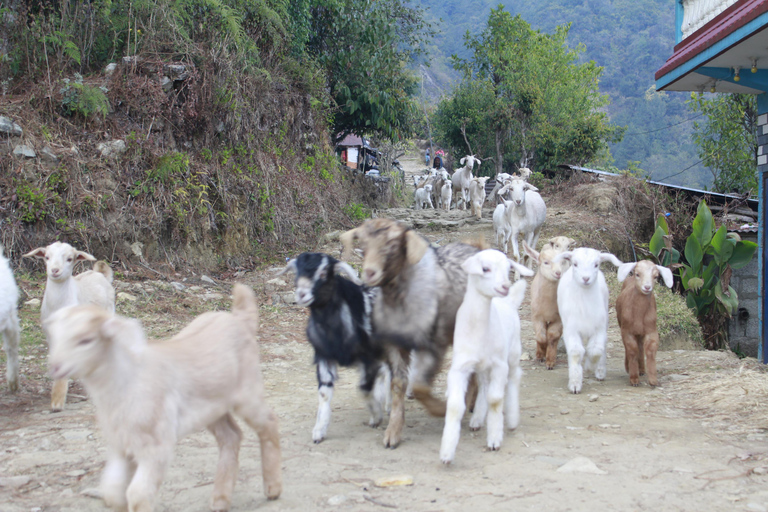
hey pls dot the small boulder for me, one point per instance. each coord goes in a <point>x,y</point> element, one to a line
<point>48,155</point>
<point>111,67</point>
<point>25,151</point>
<point>9,128</point>
<point>112,148</point>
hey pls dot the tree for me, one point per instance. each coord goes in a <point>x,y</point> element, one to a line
<point>365,47</point>
<point>539,105</point>
<point>727,141</point>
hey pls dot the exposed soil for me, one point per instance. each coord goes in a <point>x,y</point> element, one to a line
<point>664,448</point>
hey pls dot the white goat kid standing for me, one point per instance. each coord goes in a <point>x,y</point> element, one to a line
<point>422,197</point>
<point>9,322</point>
<point>582,299</point>
<point>486,342</point>
<point>63,290</point>
<point>446,194</point>
<point>477,196</point>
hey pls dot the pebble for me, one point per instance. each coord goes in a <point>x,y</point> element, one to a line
<point>277,282</point>
<point>35,303</point>
<point>564,411</point>
<point>207,279</point>
<point>581,465</point>
<point>14,481</point>
<point>177,286</point>
<point>762,470</point>
<point>593,398</point>
<point>337,500</point>
<point>126,296</point>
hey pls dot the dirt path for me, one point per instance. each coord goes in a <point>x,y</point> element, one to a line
<point>651,449</point>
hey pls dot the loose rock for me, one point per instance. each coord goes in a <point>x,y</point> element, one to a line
<point>10,128</point>
<point>25,151</point>
<point>581,465</point>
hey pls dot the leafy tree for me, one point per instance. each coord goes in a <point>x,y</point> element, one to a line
<point>533,101</point>
<point>727,141</point>
<point>365,47</point>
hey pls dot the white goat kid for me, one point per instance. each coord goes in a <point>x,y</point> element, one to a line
<point>477,196</point>
<point>423,197</point>
<point>446,194</point>
<point>9,322</point>
<point>486,342</point>
<point>63,290</point>
<point>582,299</point>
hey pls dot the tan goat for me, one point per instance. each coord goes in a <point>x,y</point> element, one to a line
<point>148,395</point>
<point>545,315</point>
<point>636,312</point>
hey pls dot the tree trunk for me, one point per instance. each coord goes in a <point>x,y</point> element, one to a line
<point>499,158</point>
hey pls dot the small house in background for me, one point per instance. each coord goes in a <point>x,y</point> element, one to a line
<point>722,47</point>
<point>357,153</point>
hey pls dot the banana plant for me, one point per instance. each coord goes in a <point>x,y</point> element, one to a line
<point>711,255</point>
<point>661,245</point>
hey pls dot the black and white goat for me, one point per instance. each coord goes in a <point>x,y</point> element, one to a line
<point>339,330</point>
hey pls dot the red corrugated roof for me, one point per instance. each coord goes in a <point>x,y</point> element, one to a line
<point>352,140</point>
<point>727,22</point>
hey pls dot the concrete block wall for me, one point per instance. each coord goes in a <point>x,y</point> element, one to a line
<point>744,327</point>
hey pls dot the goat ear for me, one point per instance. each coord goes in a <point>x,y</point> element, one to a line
<point>625,269</point>
<point>463,160</point>
<point>606,256</point>
<point>521,269</point>
<point>531,252</point>
<point>83,256</point>
<point>289,267</point>
<point>567,255</point>
<point>472,265</point>
<point>666,275</point>
<point>415,246</point>
<point>348,241</point>
<point>342,267</point>
<point>528,186</point>
<point>36,253</point>
<point>571,242</point>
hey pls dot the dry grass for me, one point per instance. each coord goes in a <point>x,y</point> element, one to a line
<point>728,394</point>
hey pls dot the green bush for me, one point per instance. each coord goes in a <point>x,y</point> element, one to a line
<point>84,100</point>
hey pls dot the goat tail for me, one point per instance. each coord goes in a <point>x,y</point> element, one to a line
<point>517,293</point>
<point>244,305</point>
<point>102,268</point>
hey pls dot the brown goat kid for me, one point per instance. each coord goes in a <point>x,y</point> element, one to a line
<point>636,312</point>
<point>545,315</point>
<point>421,290</point>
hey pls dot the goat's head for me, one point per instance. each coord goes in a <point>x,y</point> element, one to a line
<point>81,338</point>
<point>524,173</point>
<point>60,259</point>
<point>548,268</point>
<point>517,188</point>
<point>388,248</point>
<point>585,264</point>
<point>559,243</point>
<point>315,275</point>
<point>645,273</point>
<point>488,272</point>
<point>469,161</point>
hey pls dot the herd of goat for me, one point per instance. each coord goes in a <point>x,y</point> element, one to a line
<point>395,321</point>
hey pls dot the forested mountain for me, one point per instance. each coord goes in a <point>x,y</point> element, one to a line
<point>630,39</point>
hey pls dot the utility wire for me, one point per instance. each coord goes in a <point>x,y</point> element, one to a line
<point>666,127</point>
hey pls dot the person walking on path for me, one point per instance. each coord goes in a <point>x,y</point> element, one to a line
<point>426,157</point>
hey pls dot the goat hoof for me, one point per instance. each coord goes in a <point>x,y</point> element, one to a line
<point>550,367</point>
<point>635,384</point>
<point>474,429</point>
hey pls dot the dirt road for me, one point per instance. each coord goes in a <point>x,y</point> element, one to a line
<point>665,449</point>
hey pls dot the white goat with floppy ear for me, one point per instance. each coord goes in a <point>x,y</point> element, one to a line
<point>636,313</point>
<point>486,342</point>
<point>461,180</point>
<point>582,299</point>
